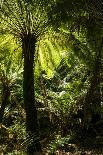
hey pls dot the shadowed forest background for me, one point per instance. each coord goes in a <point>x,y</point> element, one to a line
<point>51,77</point>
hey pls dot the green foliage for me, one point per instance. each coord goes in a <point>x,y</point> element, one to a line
<point>15,152</point>
<point>65,62</point>
<point>22,17</point>
<point>10,56</point>
<point>65,86</point>
<point>58,143</point>
<point>19,129</point>
<point>10,64</point>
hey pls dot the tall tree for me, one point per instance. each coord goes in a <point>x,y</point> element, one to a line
<point>27,20</point>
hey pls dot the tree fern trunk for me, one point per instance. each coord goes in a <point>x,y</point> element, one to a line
<point>28,46</point>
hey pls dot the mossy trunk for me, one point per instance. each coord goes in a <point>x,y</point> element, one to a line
<point>28,47</point>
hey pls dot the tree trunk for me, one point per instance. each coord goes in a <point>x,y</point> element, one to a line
<point>5,100</point>
<point>93,97</point>
<point>28,47</point>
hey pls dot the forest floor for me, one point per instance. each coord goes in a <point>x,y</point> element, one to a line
<point>79,153</point>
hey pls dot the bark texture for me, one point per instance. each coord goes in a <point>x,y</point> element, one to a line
<point>28,46</point>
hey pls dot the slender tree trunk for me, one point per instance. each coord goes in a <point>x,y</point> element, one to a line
<point>96,101</point>
<point>5,100</point>
<point>28,46</point>
<point>93,97</point>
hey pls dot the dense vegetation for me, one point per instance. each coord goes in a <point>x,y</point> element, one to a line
<point>51,79</point>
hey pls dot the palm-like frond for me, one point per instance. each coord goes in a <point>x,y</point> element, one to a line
<point>23,17</point>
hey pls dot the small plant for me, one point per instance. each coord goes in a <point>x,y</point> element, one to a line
<point>58,144</point>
